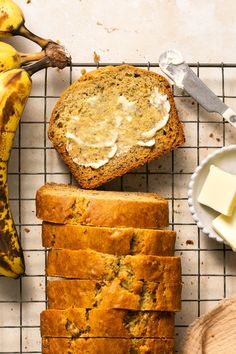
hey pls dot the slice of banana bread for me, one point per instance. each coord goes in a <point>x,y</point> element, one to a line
<point>77,322</point>
<point>118,294</point>
<point>118,241</point>
<point>88,264</point>
<point>63,204</point>
<point>113,120</point>
<point>107,346</point>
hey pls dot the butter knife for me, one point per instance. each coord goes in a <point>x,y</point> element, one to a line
<point>172,64</point>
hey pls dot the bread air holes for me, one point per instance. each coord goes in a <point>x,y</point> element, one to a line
<point>60,125</point>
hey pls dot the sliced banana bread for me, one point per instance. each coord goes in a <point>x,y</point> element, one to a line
<point>118,294</point>
<point>118,241</point>
<point>77,322</point>
<point>107,346</point>
<point>88,264</point>
<point>64,204</point>
<point>113,120</point>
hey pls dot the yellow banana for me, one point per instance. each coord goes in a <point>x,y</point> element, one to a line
<point>10,58</point>
<point>15,86</point>
<point>12,23</point>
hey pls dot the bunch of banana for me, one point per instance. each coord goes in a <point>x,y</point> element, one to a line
<point>12,23</point>
<point>15,87</point>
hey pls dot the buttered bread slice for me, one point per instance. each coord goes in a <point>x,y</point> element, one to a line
<point>63,204</point>
<point>113,120</point>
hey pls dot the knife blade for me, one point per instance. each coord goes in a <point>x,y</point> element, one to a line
<point>173,65</point>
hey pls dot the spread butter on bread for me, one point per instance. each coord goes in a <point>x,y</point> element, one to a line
<point>113,120</point>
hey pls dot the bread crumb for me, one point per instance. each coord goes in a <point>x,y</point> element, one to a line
<point>96,57</point>
<point>107,29</point>
<point>83,71</point>
<point>28,1</point>
<point>26,230</point>
<point>189,242</point>
<point>111,29</point>
<point>218,139</point>
<point>211,135</point>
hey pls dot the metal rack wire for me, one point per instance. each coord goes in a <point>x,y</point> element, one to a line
<point>14,291</point>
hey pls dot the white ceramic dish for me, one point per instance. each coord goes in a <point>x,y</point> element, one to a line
<point>224,158</point>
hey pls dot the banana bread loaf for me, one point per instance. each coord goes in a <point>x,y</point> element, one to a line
<point>118,294</point>
<point>107,346</point>
<point>113,120</point>
<point>118,241</point>
<point>77,322</point>
<point>88,264</point>
<point>63,204</point>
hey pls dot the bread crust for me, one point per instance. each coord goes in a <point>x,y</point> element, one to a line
<point>117,294</point>
<point>137,156</point>
<point>107,346</point>
<point>118,241</point>
<point>88,264</point>
<point>106,323</point>
<point>65,204</point>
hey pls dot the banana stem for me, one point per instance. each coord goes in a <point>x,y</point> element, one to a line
<point>23,31</point>
<point>28,57</point>
<point>39,65</point>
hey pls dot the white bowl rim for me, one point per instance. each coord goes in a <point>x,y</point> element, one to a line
<point>190,190</point>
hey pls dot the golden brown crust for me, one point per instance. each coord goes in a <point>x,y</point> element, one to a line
<point>64,204</point>
<point>118,294</point>
<point>118,241</point>
<point>88,264</point>
<point>107,323</point>
<point>107,346</point>
<point>167,139</point>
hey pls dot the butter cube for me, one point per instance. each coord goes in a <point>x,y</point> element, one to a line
<point>219,191</point>
<point>225,226</point>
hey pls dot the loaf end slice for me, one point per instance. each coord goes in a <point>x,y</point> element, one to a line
<point>65,204</point>
<point>122,81</point>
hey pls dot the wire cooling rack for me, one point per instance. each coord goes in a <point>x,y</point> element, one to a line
<point>209,268</point>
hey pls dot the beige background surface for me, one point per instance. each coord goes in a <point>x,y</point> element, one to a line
<point>137,30</point>
<point>132,31</point>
